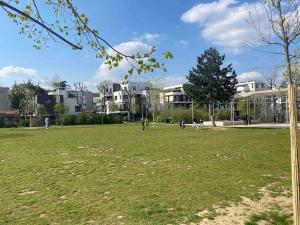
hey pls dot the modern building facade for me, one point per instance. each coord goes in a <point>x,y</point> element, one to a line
<point>121,98</point>
<point>102,99</point>
<point>74,100</point>
<point>174,97</point>
<point>251,86</point>
<point>4,103</point>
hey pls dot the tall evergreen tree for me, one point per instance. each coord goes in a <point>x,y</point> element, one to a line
<point>210,83</point>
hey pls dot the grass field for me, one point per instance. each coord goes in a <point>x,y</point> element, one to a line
<point>119,175</point>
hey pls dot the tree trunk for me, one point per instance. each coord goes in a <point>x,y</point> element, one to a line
<point>30,121</point>
<point>292,96</point>
<point>211,114</point>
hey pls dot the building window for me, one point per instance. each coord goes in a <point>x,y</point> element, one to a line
<point>116,97</point>
<point>77,108</point>
<point>134,88</point>
<point>71,95</point>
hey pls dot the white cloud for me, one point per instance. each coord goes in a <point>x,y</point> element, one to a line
<point>183,43</point>
<point>148,37</point>
<point>252,75</point>
<point>170,80</point>
<point>224,23</point>
<point>128,48</point>
<point>17,73</point>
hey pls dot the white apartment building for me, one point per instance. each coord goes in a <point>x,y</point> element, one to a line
<point>68,97</point>
<point>101,100</point>
<point>117,94</point>
<point>251,86</point>
<point>174,97</point>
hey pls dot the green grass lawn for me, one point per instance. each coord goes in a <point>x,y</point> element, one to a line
<point>117,174</point>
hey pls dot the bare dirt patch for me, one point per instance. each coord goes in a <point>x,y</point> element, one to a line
<point>239,213</point>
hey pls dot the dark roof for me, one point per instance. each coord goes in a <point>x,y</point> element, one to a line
<point>9,113</point>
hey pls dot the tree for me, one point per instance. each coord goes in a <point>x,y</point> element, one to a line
<point>295,67</point>
<point>129,95</point>
<point>284,20</point>
<point>103,91</point>
<point>271,81</point>
<point>57,83</point>
<point>80,94</point>
<point>113,106</point>
<point>22,97</point>
<point>154,100</point>
<point>210,83</point>
<point>60,85</point>
<point>272,78</point>
<point>72,28</point>
<point>61,109</point>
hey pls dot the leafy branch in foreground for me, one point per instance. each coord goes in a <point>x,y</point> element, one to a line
<point>68,23</point>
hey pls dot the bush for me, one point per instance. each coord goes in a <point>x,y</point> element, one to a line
<point>10,122</point>
<point>23,123</point>
<point>98,118</point>
<point>182,113</point>
<point>224,114</point>
<point>81,119</point>
<point>2,124</point>
<point>113,119</point>
<point>69,120</point>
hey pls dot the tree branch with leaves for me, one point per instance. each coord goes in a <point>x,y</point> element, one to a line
<point>71,27</point>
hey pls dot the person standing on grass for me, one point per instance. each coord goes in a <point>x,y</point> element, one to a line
<point>143,123</point>
<point>147,123</point>
<point>200,122</point>
<point>195,124</point>
<point>246,120</point>
<point>181,124</point>
<point>47,122</point>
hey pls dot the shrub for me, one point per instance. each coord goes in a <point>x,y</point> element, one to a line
<point>182,113</point>
<point>10,122</point>
<point>69,120</point>
<point>98,118</point>
<point>23,123</point>
<point>81,119</point>
<point>113,119</point>
<point>2,124</point>
<point>224,114</point>
<point>90,119</point>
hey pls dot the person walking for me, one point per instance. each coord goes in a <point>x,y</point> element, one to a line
<point>147,123</point>
<point>46,122</point>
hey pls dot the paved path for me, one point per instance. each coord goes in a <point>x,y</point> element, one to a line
<point>265,125</point>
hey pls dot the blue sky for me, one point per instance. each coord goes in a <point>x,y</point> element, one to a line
<point>185,28</point>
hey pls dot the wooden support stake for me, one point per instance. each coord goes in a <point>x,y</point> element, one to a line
<point>292,96</point>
